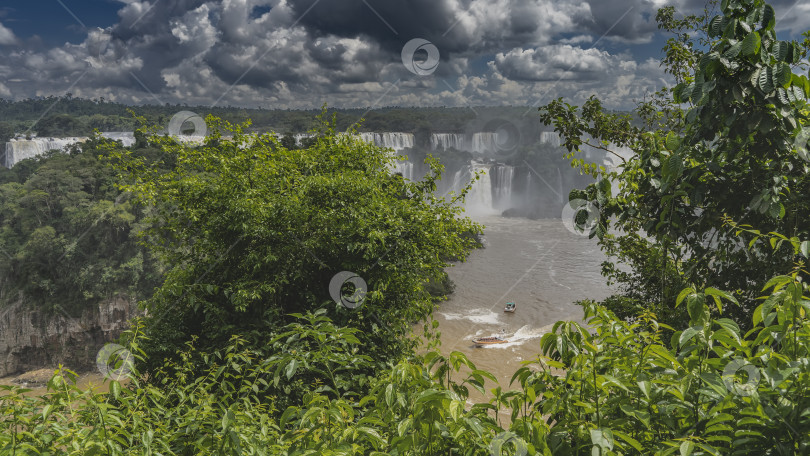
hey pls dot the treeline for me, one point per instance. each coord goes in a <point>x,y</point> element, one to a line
<point>69,116</point>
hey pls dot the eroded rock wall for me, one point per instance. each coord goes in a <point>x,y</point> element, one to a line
<point>32,339</point>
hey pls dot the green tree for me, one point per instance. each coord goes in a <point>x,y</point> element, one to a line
<point>6,132</point>
<point>68,234</point>
<point>252,231</point>
<point>725,148</point>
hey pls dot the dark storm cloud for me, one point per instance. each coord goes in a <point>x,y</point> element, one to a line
<point>301,53</point>
<point>454,26</point>
<point>631,21</point>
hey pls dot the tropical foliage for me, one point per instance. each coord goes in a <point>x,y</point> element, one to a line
<point>728,373</point>
<point>728,146</point>
<point>67,234</point>
<point>255,231</point>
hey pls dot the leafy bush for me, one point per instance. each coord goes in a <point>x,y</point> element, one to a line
<point>735,151</point>
<point>254,232</point>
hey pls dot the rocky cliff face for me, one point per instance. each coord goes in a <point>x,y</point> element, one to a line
<point>31,339</point>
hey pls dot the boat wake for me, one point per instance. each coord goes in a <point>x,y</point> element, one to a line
<point>479,316</point>
<point>520,337</point>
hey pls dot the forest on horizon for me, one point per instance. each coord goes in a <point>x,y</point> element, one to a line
<point>69,116</point>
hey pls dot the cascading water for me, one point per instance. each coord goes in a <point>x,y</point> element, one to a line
<point>479,143</point>
<point>439,141</point>
<point>491,193</point>
<point>20,149</point>
<point>405,168</point>
<point>484,142</point>
<point>300,137</point>
<point>393,140</point>
<point>501,177</point>
<point>550,137</point>
<point>479,199</point>
<point>127,138</point>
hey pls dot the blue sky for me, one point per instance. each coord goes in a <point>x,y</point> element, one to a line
<point>303,53</point>
<point>53,23</point>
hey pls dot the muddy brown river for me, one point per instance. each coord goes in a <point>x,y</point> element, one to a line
<point>542,266</point>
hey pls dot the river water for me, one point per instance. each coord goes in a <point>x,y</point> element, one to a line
<point>542,266</point>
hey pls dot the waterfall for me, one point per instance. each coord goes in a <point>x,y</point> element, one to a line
<point>501,176</point>
<point>478,143</point>
<point>484,142</point>
<point>479,199</point>
<point>492,192</point>
<point>20,149</point>
<point>405,168</point>
<point>527,194</point>
<point>446,141</point>
<point>127,138</point>
<point>394,140</point>
<point>300,137</point>
<point>550,137</point>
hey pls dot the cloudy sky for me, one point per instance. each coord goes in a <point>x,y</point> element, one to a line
<point>347,53</point>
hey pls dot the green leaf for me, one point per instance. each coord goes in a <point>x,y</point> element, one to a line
<point>733,50</point>
<point>603,438</point>
<point>673,167</point>
<point>765,82</point>
<point>751,44</point>
<point>805,249</point>
<point>683,294</point>
<point>46,411</point>
<point>711,291</point>
<point>644,386</point>
<point>227,419</point>
<point>777,282</point>
<point>688,334</point>
<point>115,389</point>
<point>696,306</point>
<point>768,18</point>
<point>782,75</point>
<point>633,442</point>
<point>673,141</point>
<point>716,26</point>
<point>404,426</point>
<point>731,327</point>
<point>687,446</point>
<point>290,370</point>
<point>781,51</point>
